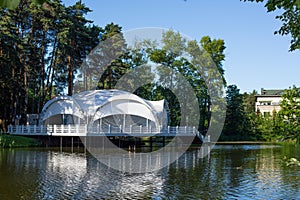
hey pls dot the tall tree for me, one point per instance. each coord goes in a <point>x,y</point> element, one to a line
<point>171,62</point>
<point>13,4</point>
<point>74,42</point>
<point>249,101</point>
<point>290,113</point>
<point>113,56</point>
<point>41,47</point>
<point>215,48</point>
<point>235,123</point>
<point>208,55</point>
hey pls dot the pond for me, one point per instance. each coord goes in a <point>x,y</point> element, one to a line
<point>228,172</point>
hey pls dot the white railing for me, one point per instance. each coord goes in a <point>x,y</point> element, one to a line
<point>84,130</point>
<point>55,130</point>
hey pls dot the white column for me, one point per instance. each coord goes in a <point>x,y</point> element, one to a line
<point>124,122</point>
<point>147,124</point>
<point>100,124</point>
<point>130,129</point>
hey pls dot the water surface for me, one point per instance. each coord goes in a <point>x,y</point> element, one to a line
<point>229,172</point>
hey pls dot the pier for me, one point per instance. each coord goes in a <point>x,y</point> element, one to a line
<point>128,137</point>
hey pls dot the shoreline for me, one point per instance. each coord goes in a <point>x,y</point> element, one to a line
<point>245,142</point>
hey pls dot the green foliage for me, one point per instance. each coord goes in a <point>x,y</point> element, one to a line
<point>237,125</point>
<point>10,4</point>
<point>281,126</point>
<point>291,162</point>
<point>41,50</point>
<point>114,56</point>
<point>268,128</point>
<point>10,141</point>
<point>13,4</point>
<point>290,114</point>
<point>290,18</point>
<point>170,61</point>
<point>215,48</point>
<point>43,47</point>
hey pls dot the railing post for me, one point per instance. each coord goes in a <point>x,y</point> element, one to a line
<point>140,129</point>
<point>54,128</point>
<point>177,130</point>
<point>69,128</point>
<point>109,128</point>
<point>22,129</point>
<point>85,131</point>
<point>150,129</point>
<point>168,130</point>
<point>185,130</point>
<point>34,129</point>
<point>194,130</point>
<point>120,129</point>
<point>130,129</point>
<point>77,129</point>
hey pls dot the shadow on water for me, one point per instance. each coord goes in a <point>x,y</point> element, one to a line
<point>229,172</point>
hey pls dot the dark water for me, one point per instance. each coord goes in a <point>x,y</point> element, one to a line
<point>229,172</point>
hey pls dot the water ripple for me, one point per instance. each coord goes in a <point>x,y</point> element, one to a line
<point>227,173</point>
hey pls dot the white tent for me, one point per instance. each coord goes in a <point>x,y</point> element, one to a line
<point>105,107</point>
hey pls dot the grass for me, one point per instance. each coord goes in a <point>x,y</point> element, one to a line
<point>13,141</point>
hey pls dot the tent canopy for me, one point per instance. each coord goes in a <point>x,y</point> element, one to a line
<point>93,106</point>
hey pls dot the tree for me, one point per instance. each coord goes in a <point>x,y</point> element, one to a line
<point>215,48</point>
<point>170,59</point>
<point>13,4</point>
<point>249,101</point>
<point>207,56</point>
<point>41,48</point>
<point>236,121</point>
<point>113,56</point>
<point>290,113</point>
<point>290,18</point>
<point>173,67</point>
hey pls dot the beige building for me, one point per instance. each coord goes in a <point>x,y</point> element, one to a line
<point>268,101</point>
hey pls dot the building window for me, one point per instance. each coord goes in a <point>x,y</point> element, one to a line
<point>265,103</point>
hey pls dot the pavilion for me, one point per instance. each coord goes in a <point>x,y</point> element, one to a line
<point>114,108</point>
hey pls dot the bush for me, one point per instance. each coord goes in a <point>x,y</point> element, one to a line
<point>12,141</point>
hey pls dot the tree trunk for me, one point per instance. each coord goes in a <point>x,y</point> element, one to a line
<point>49,82</point>
<point>13,104</point>
<point>70,77</point>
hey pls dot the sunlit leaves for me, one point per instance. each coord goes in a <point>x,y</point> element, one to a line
<point>290,113</point>
<point>13,4</point>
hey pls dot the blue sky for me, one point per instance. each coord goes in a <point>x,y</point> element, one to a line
<point>255,57</point>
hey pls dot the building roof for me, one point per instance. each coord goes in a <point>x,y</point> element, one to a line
<point>272,93</point>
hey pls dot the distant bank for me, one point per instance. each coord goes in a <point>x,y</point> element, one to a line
<point>13,141</point>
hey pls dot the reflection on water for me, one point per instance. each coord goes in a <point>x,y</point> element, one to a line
<point>229,172</point>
